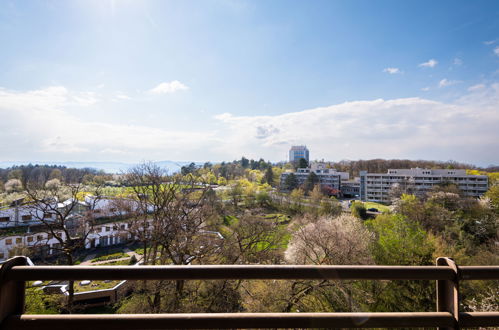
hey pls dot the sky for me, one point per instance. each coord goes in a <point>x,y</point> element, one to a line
<point>214,80</point>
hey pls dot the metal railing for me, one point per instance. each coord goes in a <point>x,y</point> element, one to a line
<point>14,273</point>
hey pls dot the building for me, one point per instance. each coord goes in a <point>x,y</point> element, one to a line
<point>328,177</point>
<point>350,188</point>
<point>297,152</point>
<point>376,187</point>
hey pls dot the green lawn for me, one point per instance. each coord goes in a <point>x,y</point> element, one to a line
<point>382,208</point>
<point>95,285</point>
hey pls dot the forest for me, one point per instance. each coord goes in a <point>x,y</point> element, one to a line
<point>258,225</point>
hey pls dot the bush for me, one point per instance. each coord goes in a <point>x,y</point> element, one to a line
<point>359,210</point>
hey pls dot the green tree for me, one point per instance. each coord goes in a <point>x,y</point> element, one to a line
<point>188,169</point>
<point>493,195</point>
<point>291,182</point>
<point>310,182</point>
<point>244,162</point>
<point>269,176</point>
<point>358,210</point>
<point>401,242</point>
<point>302,163</point>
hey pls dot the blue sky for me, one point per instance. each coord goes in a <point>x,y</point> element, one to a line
<point>214,80</point>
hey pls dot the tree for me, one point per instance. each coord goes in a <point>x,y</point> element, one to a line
<point>56,174</point>
<point>69,224</point>
<point>302,163</point>
<point>191,168</point>
<point>13,185</point>
<point>316,194</point>
<point>171,222</point>
<point>358,210</point>
<point>343,240</point>
<point>244,162</point>
<point>401,242</point>
<point>291,182</point>
<point>269,176</point>
<point>328,241</point>
<point>310,182</point>
<point>493,195</point>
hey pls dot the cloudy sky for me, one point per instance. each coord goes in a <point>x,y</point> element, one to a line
<point>104,80</point>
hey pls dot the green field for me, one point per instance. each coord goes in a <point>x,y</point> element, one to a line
<point>382,208</point>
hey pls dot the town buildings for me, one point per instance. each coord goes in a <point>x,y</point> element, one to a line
<point>376,187</point>
<point>328,177</point>
<point>298,152</point>
<point>22,224</point>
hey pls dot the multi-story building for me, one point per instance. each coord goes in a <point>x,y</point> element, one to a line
<point>376,187</point>
<point>297,152</point>
<point>350,188</point>
<point>328,177</point>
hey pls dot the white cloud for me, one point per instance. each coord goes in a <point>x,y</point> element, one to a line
<point>476,87</point>
<point>446,82</point>
<point>425,89</point>
<point>40,125</point>
<point>457,61</point>
<point>392,70</point>
<point>122,96</point>
<point>429,64</point>
<point>496,51</point>
<point>489,42</point>
<point>169,87</point>
<point>410,127</point>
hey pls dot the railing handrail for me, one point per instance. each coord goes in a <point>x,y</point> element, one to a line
<point>250,272</point>
<point>213,272</point>
<point>14,273</point>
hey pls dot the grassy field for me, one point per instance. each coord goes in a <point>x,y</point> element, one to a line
<point>382,208</point>
<point>95,285</point>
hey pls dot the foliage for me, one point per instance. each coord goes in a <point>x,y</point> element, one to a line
<point>401,242</point>
<point>291,182</point>
<point>302,163</point>
<point>311,181</point>
<point>358,210</point>
<point>13,185</point>
<point>39,303</point>
<point>110,257</point>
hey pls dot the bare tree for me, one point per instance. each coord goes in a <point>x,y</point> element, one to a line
<point>328,241</point>
<point>170,222</point>
<point>63,217</point>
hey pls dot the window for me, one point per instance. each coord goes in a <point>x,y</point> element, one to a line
<point>30,238</point>
<point>26,217</point>
<point>2,255</point>
<point>113,209</point>
<point>50,236</point>
<point>8,241</point>
<point>19,240</point>
<point>39,237</point>
<point>4,219</point>
<point>47,215</point>
<point>108,228</point>
<point>96,211</point>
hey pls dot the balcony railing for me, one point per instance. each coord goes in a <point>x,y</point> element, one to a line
<point>14,273</point>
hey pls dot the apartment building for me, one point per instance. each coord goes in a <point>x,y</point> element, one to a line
<point>328,177</point>
<point>46,244</point>
<point>375,187</point>
<point>297,152</point>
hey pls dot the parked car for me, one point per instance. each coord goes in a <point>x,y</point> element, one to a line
<point>373,209</point>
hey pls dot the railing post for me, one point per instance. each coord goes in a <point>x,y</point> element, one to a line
<point>11,292</point>
<point>448,292</point>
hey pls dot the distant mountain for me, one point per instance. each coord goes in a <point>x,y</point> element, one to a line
<point>108,167</point>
